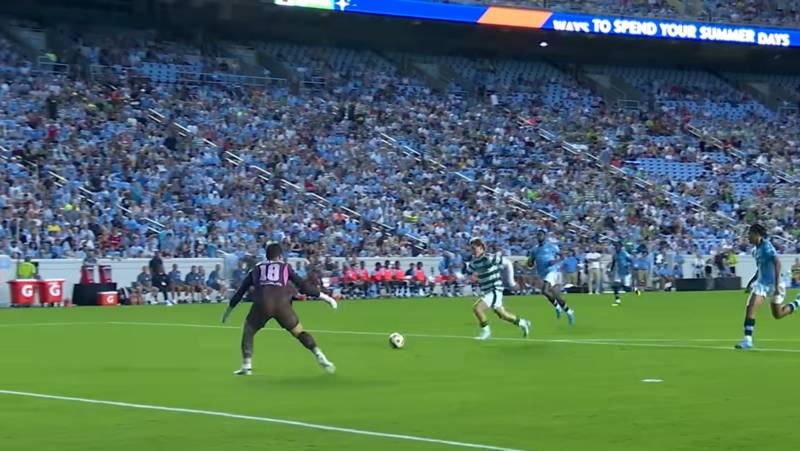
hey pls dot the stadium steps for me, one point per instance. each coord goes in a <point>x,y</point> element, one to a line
<point>247,57</point>
<point>614,89</point>
<point>421,68</point>
<point>278,69</point>
<point>28,36</point>
<point>772,95</point>
<point>19,37</point>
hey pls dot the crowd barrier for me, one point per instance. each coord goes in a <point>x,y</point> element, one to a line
<point>124,271</point>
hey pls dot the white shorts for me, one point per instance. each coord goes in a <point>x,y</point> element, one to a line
<point>553,278</point>
<point>493,299</point>
<point>624,281</point>
<point>767,291</point>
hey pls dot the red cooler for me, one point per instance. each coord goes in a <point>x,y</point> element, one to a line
<point>87,274</point>
<point>107,298</point>
<point>23,291</point>
<point>51,291</point>
<point>105,273</point>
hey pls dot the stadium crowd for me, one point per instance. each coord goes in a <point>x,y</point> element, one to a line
<point>90,172</point>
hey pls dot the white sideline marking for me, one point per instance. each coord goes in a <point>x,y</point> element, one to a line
<point>63,323</point>
<point>584,341</point>
<point>301,424</point>
<point>652,381</point>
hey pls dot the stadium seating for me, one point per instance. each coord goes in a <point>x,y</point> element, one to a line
<point>366,134</point>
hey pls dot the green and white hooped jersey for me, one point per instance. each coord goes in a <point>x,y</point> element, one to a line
<point>488,268</point>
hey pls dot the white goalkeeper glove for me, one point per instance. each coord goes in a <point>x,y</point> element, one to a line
<point>331,301</point>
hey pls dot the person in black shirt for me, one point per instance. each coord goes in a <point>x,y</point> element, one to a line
<point>161,283</point>
<point>155,263</point>
<point>273,283</point>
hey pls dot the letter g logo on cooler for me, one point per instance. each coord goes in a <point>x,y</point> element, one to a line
<point>54,289</point>
<point>27,291</point>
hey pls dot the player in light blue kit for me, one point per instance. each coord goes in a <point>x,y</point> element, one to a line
<point>545,258</point>
<point>620,271</point>
<point>765,283</point>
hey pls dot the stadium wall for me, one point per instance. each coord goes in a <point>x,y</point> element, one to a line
<point>125,271</point>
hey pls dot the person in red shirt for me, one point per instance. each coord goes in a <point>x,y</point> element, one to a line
<point>420,280</point>
<point>400,284</point>
<point>388,278</point>
<point>349,280</point>
<point>377,278</point>
<point>363,280</point>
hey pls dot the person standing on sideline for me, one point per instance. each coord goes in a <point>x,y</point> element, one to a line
<point>593,258</point>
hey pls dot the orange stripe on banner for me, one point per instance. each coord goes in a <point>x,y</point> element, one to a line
<point>515,17</point>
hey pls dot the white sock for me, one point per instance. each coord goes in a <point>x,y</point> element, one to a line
<point>247,364</point>
<point>748,339</point>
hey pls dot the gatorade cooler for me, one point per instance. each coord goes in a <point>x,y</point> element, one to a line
<point>105,273</point>
<point>23,291</point>
<point>51,291</point>
<point>107,298</point>
<point>87,274</point>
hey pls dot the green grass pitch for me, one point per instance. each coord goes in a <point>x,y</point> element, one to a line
<point>563,389</point>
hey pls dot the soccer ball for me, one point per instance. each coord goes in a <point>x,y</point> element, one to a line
<point>396,340</point>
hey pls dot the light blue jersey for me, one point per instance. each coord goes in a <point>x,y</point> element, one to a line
<point>622,263</point>
<point>765,254</point>
<point>545,257</point>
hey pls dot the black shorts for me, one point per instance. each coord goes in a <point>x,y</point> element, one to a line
<point>263,311</point>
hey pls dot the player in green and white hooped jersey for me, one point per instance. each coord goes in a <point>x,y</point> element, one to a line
<point>488,270</point>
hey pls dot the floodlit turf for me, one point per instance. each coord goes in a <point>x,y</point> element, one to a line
<point>564,389</point>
